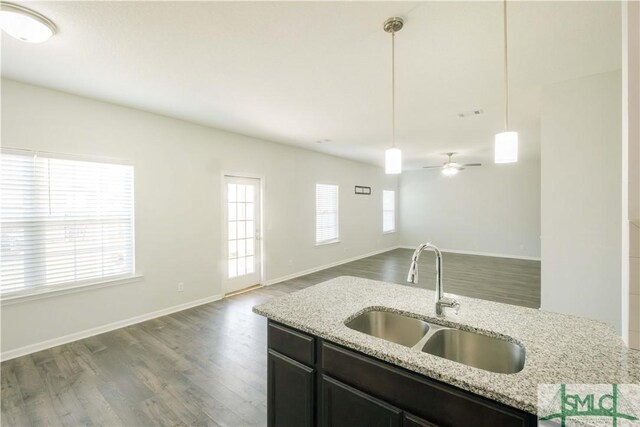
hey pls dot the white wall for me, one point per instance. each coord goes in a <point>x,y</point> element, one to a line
<point>581,197</point>
<point>631,174</point>
<point>492,209</point>
<point>178,173</point>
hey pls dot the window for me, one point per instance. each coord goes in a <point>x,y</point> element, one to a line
<point>63,221</point>
<point>388,211</point>
<point>326,213</point>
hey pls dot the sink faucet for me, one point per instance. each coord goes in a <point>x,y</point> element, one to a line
<point>441,300</point>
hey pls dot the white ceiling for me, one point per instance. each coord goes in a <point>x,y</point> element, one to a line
<point>296,73</point>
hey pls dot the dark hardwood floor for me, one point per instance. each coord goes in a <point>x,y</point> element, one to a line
<point>207,365</point>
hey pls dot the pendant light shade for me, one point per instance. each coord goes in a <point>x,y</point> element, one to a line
<point>393,155</point>
<point>506,143</point>
<point>506,147</point>
<point>393,161</point>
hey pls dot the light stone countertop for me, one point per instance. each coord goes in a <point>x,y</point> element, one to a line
<point>559,348</point>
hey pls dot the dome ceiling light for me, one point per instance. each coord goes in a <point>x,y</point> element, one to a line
<point>25,24</point>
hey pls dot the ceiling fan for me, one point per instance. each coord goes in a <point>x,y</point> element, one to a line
<point>450,168</point>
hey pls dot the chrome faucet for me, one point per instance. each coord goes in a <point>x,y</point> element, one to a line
<point>441,300</point>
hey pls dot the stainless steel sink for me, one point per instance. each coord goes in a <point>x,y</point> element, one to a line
<point>469,348</point>
<point>390,326</point>
<point>479,351</point>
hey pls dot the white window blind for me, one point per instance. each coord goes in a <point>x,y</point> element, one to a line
<point>63,221</point>
<point>388,211</point>
<point>326,213</point>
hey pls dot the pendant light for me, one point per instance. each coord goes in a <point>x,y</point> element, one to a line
<point>506,144</point>
<point>25,24</point>
<point>393,155</point>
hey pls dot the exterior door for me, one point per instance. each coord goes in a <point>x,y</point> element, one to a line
<point>242,242</point>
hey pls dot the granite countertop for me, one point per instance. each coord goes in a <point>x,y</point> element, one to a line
<point>559,348</point>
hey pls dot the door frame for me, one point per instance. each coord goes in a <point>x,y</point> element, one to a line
<point>223,228</point>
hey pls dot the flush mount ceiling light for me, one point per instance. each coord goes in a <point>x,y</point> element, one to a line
<point>393,155</point>
<point>506,143</point>
<point>25,24</point>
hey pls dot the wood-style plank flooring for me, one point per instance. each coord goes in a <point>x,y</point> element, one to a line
<point>207,365</point>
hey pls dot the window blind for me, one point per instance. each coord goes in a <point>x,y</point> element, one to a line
<point>326,213</point>
<point>63,221</point>
<point>388,210</point>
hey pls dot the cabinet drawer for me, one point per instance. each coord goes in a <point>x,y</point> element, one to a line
<point>433,401</point>
<point>292,343</point>
<point>344,406</point>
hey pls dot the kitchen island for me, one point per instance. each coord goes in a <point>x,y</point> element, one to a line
<point>338,364</point>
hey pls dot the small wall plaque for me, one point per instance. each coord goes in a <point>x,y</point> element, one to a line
<point>363,190</point>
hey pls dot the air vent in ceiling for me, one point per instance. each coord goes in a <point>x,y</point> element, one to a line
<point>470,113</point>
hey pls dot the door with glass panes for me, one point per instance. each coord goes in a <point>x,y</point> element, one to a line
<point>242,196</point>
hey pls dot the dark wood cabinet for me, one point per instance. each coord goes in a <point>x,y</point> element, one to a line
<point>291,392</point>
<point>313,382</point>
<point>433,401</point>
<point>412,421</point>
<point>344,406</point>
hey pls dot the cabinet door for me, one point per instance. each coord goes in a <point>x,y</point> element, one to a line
<point>344,406</point>
<point>291,388</point>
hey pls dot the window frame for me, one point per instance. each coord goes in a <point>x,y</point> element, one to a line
<point>44,290</point>
<point>336,239</point>
<point>394,211</point>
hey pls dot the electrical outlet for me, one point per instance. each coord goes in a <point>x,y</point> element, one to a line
<point>180,287</point>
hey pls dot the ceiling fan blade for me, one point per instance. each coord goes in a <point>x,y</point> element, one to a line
<point>431,167</point>
<point>473,164</point>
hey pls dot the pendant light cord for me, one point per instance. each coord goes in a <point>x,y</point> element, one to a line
<point>506,72</point>
<point>393,88</point>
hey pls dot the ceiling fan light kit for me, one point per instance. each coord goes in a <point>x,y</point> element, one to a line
<point>451,168</point>
<point>393,155</point>
<point>506,143</point>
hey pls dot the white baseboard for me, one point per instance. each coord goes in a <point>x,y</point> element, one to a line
<point>490,254</point>
<point>43,345</point>
<point>324,267</point>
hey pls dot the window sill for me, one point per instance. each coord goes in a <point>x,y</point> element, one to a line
<point>328,242</point>
<point>389,232</point>
<point>21,296</point>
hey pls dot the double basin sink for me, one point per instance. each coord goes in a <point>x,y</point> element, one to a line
<point>469,348</point>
